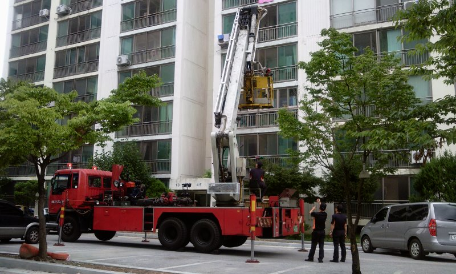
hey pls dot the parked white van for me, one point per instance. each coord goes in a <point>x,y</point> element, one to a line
<point>415,228</point>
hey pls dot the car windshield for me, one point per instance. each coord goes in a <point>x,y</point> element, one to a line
<point>60,183</point>
<point>445,212</point>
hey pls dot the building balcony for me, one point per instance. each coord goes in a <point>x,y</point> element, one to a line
<point>274,33</point>
<point>280,160</point>
<point>19,1</point>
<point>159,166</point>
<point>29,21</point>
<point>80,68</point>
<point>149,20</point>
<point>152,55</point>
<point>78,37</point>
<point>25,170</point>
<point>146,129</point>
<point>164,90</point>
<point>36,76</point>
<point>283,74</point>
<point>365,17</point>
<point>28,49</point>
<point>229,4</point>
<point>260,118</point>
<point>84,5</point>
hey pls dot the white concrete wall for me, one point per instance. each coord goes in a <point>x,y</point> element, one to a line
<point>6,53</point>
<point>190,91</point>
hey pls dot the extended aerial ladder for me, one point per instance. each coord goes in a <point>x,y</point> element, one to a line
<point>241,87</point>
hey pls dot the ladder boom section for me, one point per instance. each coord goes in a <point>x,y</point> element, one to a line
<point>239,60</point>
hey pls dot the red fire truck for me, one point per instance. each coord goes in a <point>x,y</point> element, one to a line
<point>96,202</point>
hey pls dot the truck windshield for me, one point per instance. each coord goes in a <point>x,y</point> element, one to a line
<point>60,183</point>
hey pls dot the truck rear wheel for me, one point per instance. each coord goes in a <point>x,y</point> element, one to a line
<point>104,235</point>
<point>172,234</point>
<point>70,230</point>
<point>206,236</point>
<point>234,241</point>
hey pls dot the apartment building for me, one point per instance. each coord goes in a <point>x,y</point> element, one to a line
<point>93,45</point>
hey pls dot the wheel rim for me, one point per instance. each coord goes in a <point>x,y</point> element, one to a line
<point>34,236</point>
<point>415,249</point>
<point>366,244</point>
<point>67,228</point>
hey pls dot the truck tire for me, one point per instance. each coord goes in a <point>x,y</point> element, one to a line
<point>70,229</point>
<point>172,233</point>
<point>206,236</point>
<point>32,235</point>
<point>104,235</point>
<point>5,240</point>
<point>234,241</point>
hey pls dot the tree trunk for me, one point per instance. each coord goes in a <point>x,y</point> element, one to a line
<point>41,201</point>
<point>356,264</point>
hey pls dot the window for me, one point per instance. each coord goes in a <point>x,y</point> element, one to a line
<point>264,144</point>
<point>28,66</point>
<point>148,40</point>
<point>144,13</point>
<point>94,181</point>
<point>227,24</point>
<point>165,72</point>
<point>421,87</point>
<point>77,55</point>
<point>86,87</point>
<point>417,212</point>
<point>389,42</point>
<point>363,40</point>
<point>107,182</point>
<point>60,182</point>
<point>285,97</point>
<point>10,210</point>
<point>398,214</point>
<point>75,180</point>
<point>395,188</point>
<point>155,150</point>
<point>381,215</point>
<point>267,144</point>
<point>445,212</point>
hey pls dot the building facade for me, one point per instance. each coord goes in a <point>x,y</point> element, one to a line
<point>93,45</point>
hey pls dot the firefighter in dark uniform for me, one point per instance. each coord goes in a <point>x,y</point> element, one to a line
<point>318,234</point>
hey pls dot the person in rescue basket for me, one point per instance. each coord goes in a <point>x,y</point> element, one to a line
<point>318,233</point>
<point>339,232</point>
<point>257,180</point>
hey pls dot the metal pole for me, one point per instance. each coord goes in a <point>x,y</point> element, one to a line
<point>301,210</point>
<point>252,229</point>
<point>61,222</point>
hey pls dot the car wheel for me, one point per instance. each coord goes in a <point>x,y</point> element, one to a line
<point>416,249</point>
<point>70,229</point>
<point>104,235</point>
<point>5,240</point>
<point>31,237</point>
<point>173,234</point>
<point>234,241</point>
<point>206,236</point>
<point>366,244</point>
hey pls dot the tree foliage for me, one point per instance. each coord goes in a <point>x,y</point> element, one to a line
<point>135,169</point>
<point>436,181</point>
<point>24,193</point>
<point>433,23</point>
<point>37,124</point>
<point>358,107</point>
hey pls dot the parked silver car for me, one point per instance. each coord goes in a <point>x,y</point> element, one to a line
<point>415,228</point>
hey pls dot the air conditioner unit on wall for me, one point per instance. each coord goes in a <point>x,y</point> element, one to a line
<point>122,60</point>
<point>414,157</point>
<point>223,40</point>
<point>63,10</point>
<point>44,13</point>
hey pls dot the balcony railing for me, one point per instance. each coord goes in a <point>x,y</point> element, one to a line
<point>28,49</point>
<point>260,118</point>
<point>367,111</point>
<point>149,20</point>
<point>166,89</point>
<point>228,4</point>
<point>84,5</point>
<point>159,166</point>
<point>365,17</point>
<point>282,74</point>
<point>29,21</point>
<point>52,168</point>
<point>36,76</point>
<point>26,170</point>
<point>75,69</point>
<point>19,1</point>
<point>281,160</point>
<point>78,37</point>
<point>152,55</point>
<point>277,32</point>
<point>146,129</point>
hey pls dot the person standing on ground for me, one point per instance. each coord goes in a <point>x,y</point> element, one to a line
<point>257,180</point>
<point>339,232</point>
<point>318,233</point>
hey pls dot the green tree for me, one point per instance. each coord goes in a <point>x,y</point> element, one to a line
<point>432,22</point>
<point>24,192</point>
<point>436,181</point>
<point>357,107</point>
<point>135,169</point>
<point>278,178</point>
<point>37,124</point>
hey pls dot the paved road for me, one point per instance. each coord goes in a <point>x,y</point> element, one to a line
<point>275,258</point>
